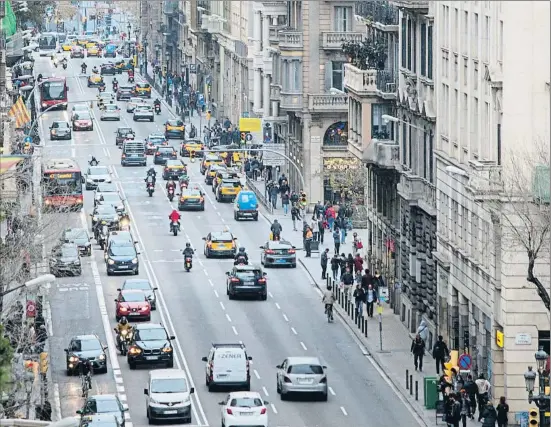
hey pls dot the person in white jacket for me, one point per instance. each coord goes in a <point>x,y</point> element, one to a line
<point>314,226</point>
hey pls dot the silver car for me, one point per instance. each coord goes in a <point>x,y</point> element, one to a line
<point>302,375</point>
<point>104,187</point>
<point>132,103</point>
<point>143,112</point>
<point>113,199</point>
<point>111,112</point>
<point>96,175</point>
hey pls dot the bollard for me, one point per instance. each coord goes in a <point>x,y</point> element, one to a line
<point>407,379</point>
<point>359,318</point>
<point>416,390</point>
<point>411,385</point>
<point>365,327</point>
<point>347,307</point>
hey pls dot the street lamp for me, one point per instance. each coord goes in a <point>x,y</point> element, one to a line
<point>542,401</point>
<point>31,284</point>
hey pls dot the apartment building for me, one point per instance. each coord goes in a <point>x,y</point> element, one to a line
<point>492,90</point>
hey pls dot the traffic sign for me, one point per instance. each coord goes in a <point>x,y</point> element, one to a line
<point>249,137</point>
<point>465,362</point>
<point>31,308</point>
<point>28,139</point>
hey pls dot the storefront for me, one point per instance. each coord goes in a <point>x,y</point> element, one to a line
<point>344,180</point>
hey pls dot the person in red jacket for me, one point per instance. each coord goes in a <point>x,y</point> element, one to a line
<point>174,216</point>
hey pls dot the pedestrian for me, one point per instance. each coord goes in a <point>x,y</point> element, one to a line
<point>358,263</point>
<point>453,413</point>
<point>367,279</point>
<point>308,242</point>
<point>330,215</point>
<point>295,215</point>
<point>324,261</point>
<point>285,202</point>
<point>347,281</point>
<point>489,414</point>
<point>378,282</point>
<point>342,260</point>
<point>359,298</point>
<point>370,299</point>
<point>465,407</point>
<point>502,412</point>
<point>337,239</point>
<point>418,351</point>
<point>273,196</point>
<point>321,229</point>
<point>483,389</point>
<point>440,353</point>
<point>315,230</point>
<point>335,264</point>
<point>471,389</point>
<point>350,262</point>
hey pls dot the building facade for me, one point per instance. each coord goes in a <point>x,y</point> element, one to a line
<point>485,301</point>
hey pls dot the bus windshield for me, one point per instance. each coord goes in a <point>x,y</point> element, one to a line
<point>62,183</point>
<point>53,91</point>
<point>47,41</point>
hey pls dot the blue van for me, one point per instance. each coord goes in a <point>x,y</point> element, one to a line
<point>245,206</point>
<point>110,51</point>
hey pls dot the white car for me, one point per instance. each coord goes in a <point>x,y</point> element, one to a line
<point>132,103</point>
<point>79,108</point>
<point>143,112</point>
<point>111,112</point>
<point>244,408</point>
<point>96,175</point>
<point>113,199</point>
<point>104,187</point>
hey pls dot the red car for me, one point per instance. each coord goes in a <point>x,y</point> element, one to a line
<point>133,304</point>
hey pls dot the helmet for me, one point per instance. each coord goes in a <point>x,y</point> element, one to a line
<point>329,287</point>
<point>188,245</point>
<point>275,221</point>
<point>123,320</point>
<point>242,249</point>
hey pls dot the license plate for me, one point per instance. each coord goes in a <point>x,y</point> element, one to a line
<point>171,412</point>
<point>134,314</point>
<point>305,381</point>
<point>280,261</point>
<point>152,358</point>
<point>123,266</point>
<point>249,283</point>
<point>221,375</point>
<point>246,413</point>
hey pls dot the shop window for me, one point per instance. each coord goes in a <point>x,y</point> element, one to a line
<point>336,134</point>
<point>379,129</point>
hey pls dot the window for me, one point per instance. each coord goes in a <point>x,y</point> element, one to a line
<point>486,40</point>
<point>425,154</point>
<point>380,129</point>
<point>423,49</point>
<point>404,141</point>
<point>431,157</point>
<point>294,14</point>
<point>500,42</point>
<point>454,226</point>
<point>343,18</point>
<point>404,40</point>
<point>414,53</point>
<point>410,36</point>
<point>465,72</point>
<point>429,53</point>
<point>464,222</point>
<point>474,37</point>
<point>465,33</point>
<point>475,75</point>
<point>292,76</point>
<point>337,68</point>
<point>410,148</point>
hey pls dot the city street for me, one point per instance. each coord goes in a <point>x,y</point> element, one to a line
<point>193,306</point>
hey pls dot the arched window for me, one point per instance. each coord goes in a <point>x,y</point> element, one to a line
<point>336,134</point>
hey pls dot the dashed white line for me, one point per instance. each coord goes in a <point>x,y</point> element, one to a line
<point>344,411</point>
<point>265,391</point>
<point>219,214</point>
<point>273,408</point>
<point>212,284</point>
<point>222,305</point>
<point>277,305</point>
<point>332,391</point>
<point>303,346</point>
<point>216,293</point>
<point>228,317</point>
<point>206,273</point>
<point>285,317</point>
<point>256,374</point>
<point>294,330</point>
<point>270,295</point>
<point>234,330</point>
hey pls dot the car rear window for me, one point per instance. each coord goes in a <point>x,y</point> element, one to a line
<point>222,237</point>
<point>246,402</point>
<point>305,369</point>
<point>230,184</point>
<point>248,275</point>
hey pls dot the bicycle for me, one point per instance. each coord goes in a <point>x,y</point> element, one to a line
<point>85,381</point>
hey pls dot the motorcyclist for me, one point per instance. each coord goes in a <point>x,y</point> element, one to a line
<point>241,254</point>
<point>123,325</point>
<point>170,184</point>
<point>124,221</point>
<point>188,251</point>
<point>93,161</point>
<point>101,229</point>
<point>328,298</point>
<point>95,70</point>
<point>174,216</point>
<point>115,84</point>
<point>83,68</point>
<point>149,179</point>
<point>152,172</point>
<point>157,103</point>
<point>276,230</point>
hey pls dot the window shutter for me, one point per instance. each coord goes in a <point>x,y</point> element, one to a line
<point>328,75</point>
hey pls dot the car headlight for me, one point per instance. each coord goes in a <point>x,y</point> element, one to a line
<point>94,218</point>
<point>77,262</point>
<point>89,180</point>
<point>73,359</point>
<point>167,350</point>
<point>135,261</point>
<point>44,105</point>
<point>110,262</point>
<point>102,357</point>
<point>151,400</point>
<point>187,400</point>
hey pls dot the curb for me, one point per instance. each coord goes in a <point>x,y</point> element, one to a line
<point>371,351</point>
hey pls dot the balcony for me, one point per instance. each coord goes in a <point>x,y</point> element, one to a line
<point>290,40</point>
<point>418,6</point>
<point>485,180</point>
<point>371,82</point>
<point>275,92</point>
<point>337,143</point>
<point>379,14</point>
<point>291,101</point>
<point>384,154</point>
<point>333,40</point>
<point>170,7</point>
<point>328,103</point>
<point>418,191</point>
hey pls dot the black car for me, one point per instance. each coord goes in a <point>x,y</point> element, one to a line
<point>108,70</point>
<point>246,280</point>
<point>150,345</point>
<point>81,238</point>
<point>278,253</point>
<point>164,153</point>
<point>104,420</point>
<point>85,347</point>
<point>122,257</point>
<point>124,93</point>
<point>60,130</point>
<point>65,260</point>
<point>122,134</point>
<point>104,404</point>
<point>105,213</point>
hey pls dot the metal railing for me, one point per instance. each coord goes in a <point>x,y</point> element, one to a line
<point>261,197</point>
<point>378,11</point>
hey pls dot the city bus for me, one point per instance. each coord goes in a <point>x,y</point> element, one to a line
<point>53,93</point>
<point>48,44</point>
<point>61,185</point>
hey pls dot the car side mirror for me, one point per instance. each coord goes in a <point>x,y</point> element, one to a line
<point>204,359</point>
<point>119,289</point>
<point>79,412</point>
<point>116,300</point>
<point>138,253</point>
<point>250,358</point>
<point>192,390</point>
<point>261,247</point>
<point>278,366</point>
<point>204,238</point>
<point>125,408</point>
<point>66,350</point>
<point>266,402</point>
<point>324,367</point>
<point>155,289</point>
<point>264,274</point>
<point>227,273</point>
<point>294,247</point>
<point>146,391</point>
<point>235,238</point>
<point>172,337</point>
<point>222,403</point>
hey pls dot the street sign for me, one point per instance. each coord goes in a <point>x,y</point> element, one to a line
<point>273,159</point>
<point>193,68</point>
<point>465,362</point>
<point>28,139</point>
<point>249,137</point>
<point>31,308</point>
<point>245,114</point>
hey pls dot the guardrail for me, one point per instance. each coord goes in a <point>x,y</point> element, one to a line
<point>261,197</point>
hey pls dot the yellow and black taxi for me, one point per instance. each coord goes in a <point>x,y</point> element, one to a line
<point>82,41</point>
<point>85,347</point>
<point>211,172</point>
<point>92,50</point>
<point>190,145</point>
<point>67,46</point>
<point>95,80</point>
<point>174,169</point>
<point>220,244</point>
<point>228,190</point>
<point>175,129</point>
<point>142,90</point>
<point>208,160</point>
<point>191,199</point>
<point>223,174</point>
<point>90,44</point>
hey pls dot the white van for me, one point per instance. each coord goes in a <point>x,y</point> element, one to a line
<point>228,366</point>
<point>168,396</point>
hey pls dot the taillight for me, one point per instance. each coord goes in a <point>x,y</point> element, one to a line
<point>234,280</point>
<point>166,169</point>
<point>202,199</point>
<point>262,411</point>
<point>157,154</point>
<point>287,380</point>
<point>269,251</point>
<point>292,251</point>
<point>228,410</point>
<point>123,156</point>
<point>323,380</point>
<point>261,280</point>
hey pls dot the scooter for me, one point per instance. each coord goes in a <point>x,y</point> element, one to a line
<point>174,227</point>
<point>192,157</point>
<point>157,109</point>
<point>64,65</point>
<point>188,263</point>
<point>170,194</point>
<point>241,260</point>
<point>150,189</point>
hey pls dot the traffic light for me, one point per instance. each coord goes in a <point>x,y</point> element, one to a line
<point>44,362</point>
<point>533,417</point>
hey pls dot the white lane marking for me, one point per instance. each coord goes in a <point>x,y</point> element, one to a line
<point>265,391</point>
<point>210,281</point>
<point>234,330</point>
<point>273,408</point>
<point>277,305</point>
<point>219,214</point>
<point>106,152</point>
<point>206,273</point>
<point>256,374</point>
<point>48,318</point>
<point>123,397</point>
<point>344,411</point>
<point>332,391</point>
<point>285,317</point>
<point>303,346</point>
<point>222,305</point>
<point>270,295</point>
<point>228,317</point>
<point>294,330</point>
<point>120,389</point>
<point>216,293</point>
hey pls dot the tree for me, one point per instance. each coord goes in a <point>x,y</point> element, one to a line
<point>35,14</point>
<point>6,356</point>
<point>370,53</point>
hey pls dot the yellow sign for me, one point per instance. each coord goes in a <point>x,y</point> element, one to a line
<point>379,309</point>
<point>250,125</point>
<point>61,175</point>
<point>499,339</point>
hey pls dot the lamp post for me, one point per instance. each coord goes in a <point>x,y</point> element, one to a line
<point>542,401</point>
<point>29,285</point>
<point>145,56</point>
<point>166,74</point>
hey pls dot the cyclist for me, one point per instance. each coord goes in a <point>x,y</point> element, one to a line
<point>328,299</point>
<point>85,369</point>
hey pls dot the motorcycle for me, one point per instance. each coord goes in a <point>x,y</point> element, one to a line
<point>123,338</point>
<point>188,263</point>
<point>275,237</point>
<point>130,79</point>
<point>241,260</point>
<point>157,109</point>
<point>192,157</point>
<point>93,162</point>
<point>174,227</point>
<point>124,225</point>
<point>82,70</point>
<point>102,240</point>
<point>101,88</point>
<point>115,87</point>
<point>150,189</point>
<point>64,65</point>
<point>170,194</point>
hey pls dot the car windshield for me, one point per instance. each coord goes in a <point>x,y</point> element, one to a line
<point>104,405</point>
<point>143,108</point>
<point>175,123</point>
<point>80,107</point>
<point>138,285</point>
<point>305,369</point>
<point>111,107</point>
<point>150,334</point>
<point>156,140</point>
<point>133,296</point>
<point>142,85</point>
<point>169,385</point>
<point>248,275</point>
<point>123,251</point>
<point>194,193</point>
<point>99,170</point>
<point>86,345</point>
<point>83,115</point>
<point>77,234</point>
<point>246,402</point>
<point>222,237</point>
<point>175,163</point>
<point>54,90</point>
<point>125,131</point>
<point>110,198</point>
<point>106,210</point>
<point>69,252</point>
<point>107,188</point>
<point>58,125</point>
<point>165,149</point>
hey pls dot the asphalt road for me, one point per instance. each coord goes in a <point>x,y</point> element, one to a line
<point>194,306</point>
